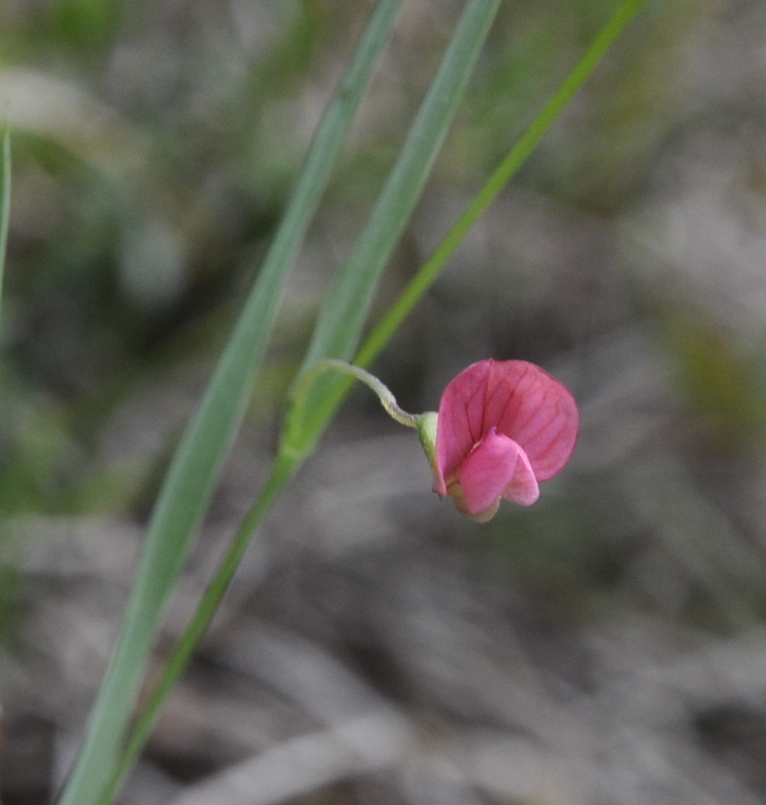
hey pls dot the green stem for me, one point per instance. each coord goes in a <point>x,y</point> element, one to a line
<point>387,399</point>
<point>282,471</point>
<point>342,320</point>
<point>190,481</point>
<point>5,196</point>
<point>504,172</point>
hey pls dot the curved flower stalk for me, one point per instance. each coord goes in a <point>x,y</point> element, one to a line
<point>502,428</point>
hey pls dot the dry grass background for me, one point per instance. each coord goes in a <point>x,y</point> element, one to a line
<point>605,647</point>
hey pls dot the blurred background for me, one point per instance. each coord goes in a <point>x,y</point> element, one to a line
<point>604,647</point>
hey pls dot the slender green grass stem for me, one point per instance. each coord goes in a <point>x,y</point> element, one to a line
<point>5,196</point>
<point>282,471</point>
<point>345,311</point>
<point>198,460</point>
<point>504,172</point>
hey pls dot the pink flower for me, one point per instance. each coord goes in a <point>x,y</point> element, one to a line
<point>503,427</point>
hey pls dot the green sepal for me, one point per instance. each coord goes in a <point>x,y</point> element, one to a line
<point>426,427</point>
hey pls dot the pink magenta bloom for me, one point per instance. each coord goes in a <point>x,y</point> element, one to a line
<point>503,427</point>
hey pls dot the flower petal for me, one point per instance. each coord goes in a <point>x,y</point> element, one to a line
<point>523,488</point>
<point>534,409</point>
<point>461,421</point>
<point>488,471</point>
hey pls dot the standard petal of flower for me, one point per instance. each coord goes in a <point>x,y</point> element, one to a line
<point>488,471</point>
<point>534,409</point>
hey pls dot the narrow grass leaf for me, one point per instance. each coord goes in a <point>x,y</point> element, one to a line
<point>194,471</point>
<point>500,177</point>
<point>281,473</point>
<point>5,197</point>
<point>348,303</point>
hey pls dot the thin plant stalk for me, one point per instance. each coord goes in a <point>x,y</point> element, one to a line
<point>387,399</point>
<point>281,472</point>
<point>197,463</point>
<point>5,197</point>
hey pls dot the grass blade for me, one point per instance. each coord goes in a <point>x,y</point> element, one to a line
<point>281,473</point>
<point>345,312</point>
<point>200,455</point>
<point>5,197</point>
<point>500,177</point>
